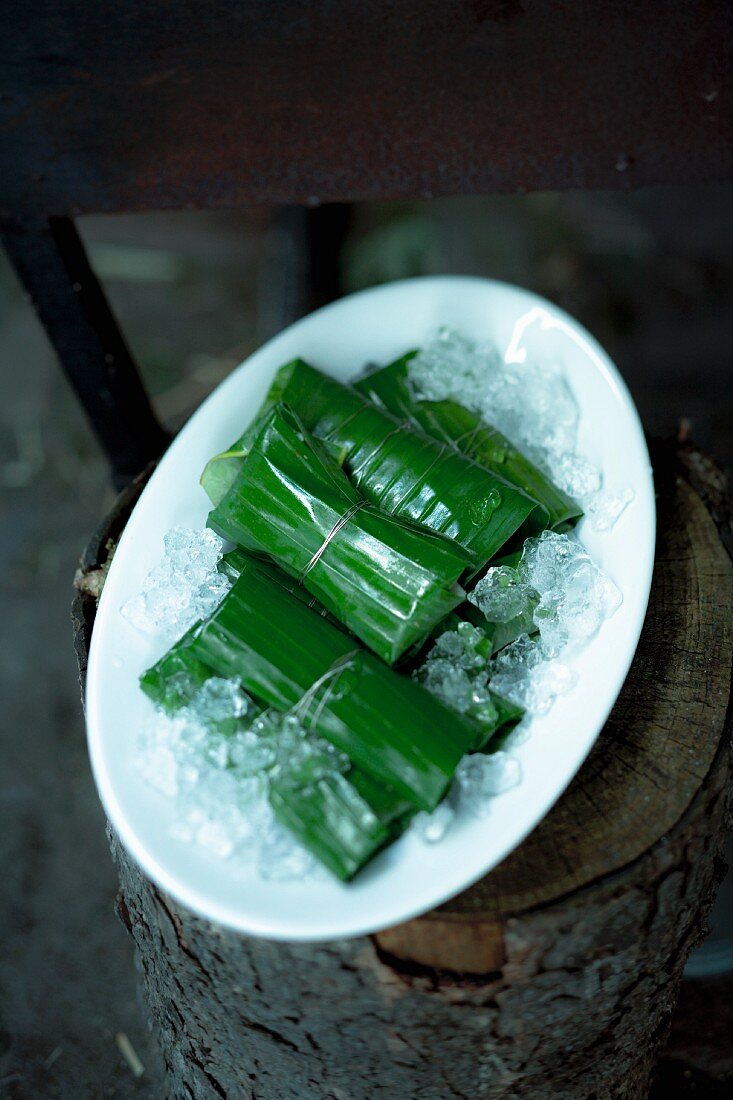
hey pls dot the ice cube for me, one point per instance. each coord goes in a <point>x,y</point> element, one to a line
<point>248,754</point>
<point>523,653</point>
<point>480,777</point>
<point>606,508</point>
<point>159,767</point>
<point>576,476</point>
<point>451,366</point>
<point>547,560</point>
<point>575,595</point>
<point>534,689</point>
<point>448,681</point>
<point>433,827</point>
<point>463,646</point>
<point>450,644</point>
<point>502,595</point>
<point>219,699</point>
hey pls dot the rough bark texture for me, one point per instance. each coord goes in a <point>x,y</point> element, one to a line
<point>557,974</point>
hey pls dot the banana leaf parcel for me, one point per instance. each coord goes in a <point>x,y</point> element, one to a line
<point>396,466</point>
<point>286,655</point>
<point>270,638</point>
<point>344,820</point>
<point>465,430</point>
<point>388,580</point>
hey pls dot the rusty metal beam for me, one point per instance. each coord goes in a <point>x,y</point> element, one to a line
<point>204,103</point>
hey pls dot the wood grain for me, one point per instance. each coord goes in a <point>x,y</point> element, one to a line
<point>556,975</point>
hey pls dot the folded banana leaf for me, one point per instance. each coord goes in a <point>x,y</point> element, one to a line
<point>499,634</point>
<point>396,466</point>
<point>464,430</point>
<point>234,561</point>
<point>288,657</point>
<point>343,820</point>
<point>388,580</point>
<point>173,681</point>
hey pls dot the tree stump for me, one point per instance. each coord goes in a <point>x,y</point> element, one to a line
<point>556,975</point>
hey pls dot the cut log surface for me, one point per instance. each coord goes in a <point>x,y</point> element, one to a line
<point>554,976</point>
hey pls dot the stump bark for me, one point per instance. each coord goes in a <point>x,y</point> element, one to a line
<point>556,975</point>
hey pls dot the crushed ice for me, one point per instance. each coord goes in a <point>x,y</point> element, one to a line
<point>456,671</point>
<point>214,757</point>
<point>185,585</point>
<point>479,777</point>
<point>433,827</point>
<point>563,597</point>
<point>559,596</point>
<point>557,583</point>
<point>531,404</point>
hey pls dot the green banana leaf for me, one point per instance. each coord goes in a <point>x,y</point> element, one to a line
<point>288,657</point>
<point>344,820</point>
<point>399,468</point>
<point>464,430</point>
<point>234,561</point>
<point>173,681</point>
<point>388,580</point>
<point>499,634</point>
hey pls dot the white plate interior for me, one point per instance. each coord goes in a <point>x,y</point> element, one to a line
<point>410,877</point>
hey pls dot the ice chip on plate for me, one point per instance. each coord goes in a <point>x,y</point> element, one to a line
<point>185,585</point>
<point>433,827</point>
<point>479,778</point>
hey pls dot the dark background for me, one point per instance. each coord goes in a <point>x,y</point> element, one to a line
<point>651,275</point>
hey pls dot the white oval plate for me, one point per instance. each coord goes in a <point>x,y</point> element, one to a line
<point>410,877</point>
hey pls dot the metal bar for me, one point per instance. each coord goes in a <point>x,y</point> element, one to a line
<point>50,260</point>
<point>283,294</point>
<point>327,228</point>
<point>301,269</point>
